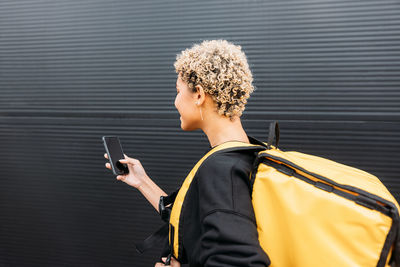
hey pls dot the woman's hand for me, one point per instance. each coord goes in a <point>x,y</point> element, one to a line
<point>174,263</point>
<point>136,176</point>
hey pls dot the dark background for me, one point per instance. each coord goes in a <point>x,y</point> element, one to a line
<point>73,71</point>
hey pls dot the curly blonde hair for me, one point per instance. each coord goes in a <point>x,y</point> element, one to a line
<point>221,68</point>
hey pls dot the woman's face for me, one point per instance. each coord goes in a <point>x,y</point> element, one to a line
<point>185,103</point>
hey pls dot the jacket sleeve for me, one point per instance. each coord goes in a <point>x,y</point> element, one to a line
<point>231,239</point>
<point>229,234</point>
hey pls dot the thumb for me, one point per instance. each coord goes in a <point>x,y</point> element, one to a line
<point>129,160</point>
<point>164,260</point>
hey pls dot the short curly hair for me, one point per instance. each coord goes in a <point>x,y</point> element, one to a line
<point>221,68</point>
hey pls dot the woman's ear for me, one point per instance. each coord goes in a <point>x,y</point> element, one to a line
<point>200,95</point>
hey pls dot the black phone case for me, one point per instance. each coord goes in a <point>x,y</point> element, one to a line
<point>115,170</point>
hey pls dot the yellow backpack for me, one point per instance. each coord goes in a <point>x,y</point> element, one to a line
<point>311,211</point>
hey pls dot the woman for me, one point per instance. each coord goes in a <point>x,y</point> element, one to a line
<point>213,85</point>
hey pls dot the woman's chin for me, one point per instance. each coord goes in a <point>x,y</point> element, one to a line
<point>186,127</point>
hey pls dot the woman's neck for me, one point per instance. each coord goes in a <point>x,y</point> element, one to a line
<point>221,129</point>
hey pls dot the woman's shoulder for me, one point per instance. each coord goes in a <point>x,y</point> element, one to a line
<point>224,164</point>
<point>222,182</point>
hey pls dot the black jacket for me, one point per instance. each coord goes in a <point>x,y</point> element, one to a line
<point>219,226</point>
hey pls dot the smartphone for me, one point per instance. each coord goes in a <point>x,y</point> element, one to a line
<point>114,151</point>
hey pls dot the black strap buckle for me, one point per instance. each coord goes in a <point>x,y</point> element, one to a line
<point>164,208</point>
<point>165,213</point>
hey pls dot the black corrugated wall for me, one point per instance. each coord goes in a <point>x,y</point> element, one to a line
<point>73,71</point>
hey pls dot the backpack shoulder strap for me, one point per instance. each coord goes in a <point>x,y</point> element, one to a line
<point>153,240</point>
<point>175,236</point>
<point>255,141</point>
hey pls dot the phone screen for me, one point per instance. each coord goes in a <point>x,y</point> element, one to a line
<point>115,153</point>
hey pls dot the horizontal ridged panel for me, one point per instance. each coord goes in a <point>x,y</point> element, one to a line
<point>104,56</point>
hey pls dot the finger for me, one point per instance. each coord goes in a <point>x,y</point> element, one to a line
<point>128,160</point>
<point>105,155</point>
<point>164,260</point>
<point>126,156</point>
<point>108,166</point>
<point>121,177</point>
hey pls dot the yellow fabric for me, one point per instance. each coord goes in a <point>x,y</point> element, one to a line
<point>176,209</point>
<point>300,225</point>
<point>337,172</point>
